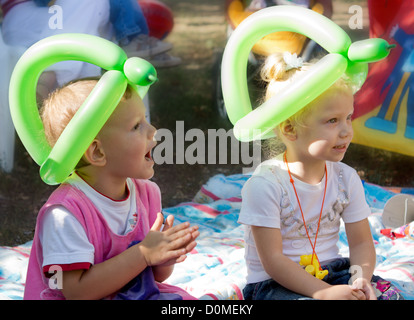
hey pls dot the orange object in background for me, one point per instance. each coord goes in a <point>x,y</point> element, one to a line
<point>274,42</point>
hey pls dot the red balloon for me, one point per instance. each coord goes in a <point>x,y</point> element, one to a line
<point>159,18</point>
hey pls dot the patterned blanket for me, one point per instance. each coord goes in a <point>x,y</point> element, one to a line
<point>215,269</point>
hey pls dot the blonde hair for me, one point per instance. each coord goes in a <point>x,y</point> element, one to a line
<point>274,72</point>
<point>61,105</point>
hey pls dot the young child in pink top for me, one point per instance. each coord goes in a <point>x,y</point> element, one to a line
<point>101,234</point>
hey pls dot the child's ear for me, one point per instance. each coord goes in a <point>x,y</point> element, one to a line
<point>288,130</point>
<point>95,154</point>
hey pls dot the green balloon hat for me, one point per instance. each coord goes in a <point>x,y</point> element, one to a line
<point>344,57</point>
<point>57,163</point>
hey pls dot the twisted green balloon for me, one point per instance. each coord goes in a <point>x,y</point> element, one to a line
<point>57,163</point>
<point>344,57</point>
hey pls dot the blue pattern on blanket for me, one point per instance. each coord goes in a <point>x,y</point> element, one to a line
<point>215,269</point>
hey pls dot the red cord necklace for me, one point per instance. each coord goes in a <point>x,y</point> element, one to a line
<point>313,245</point>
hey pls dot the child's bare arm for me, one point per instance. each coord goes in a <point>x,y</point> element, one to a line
<point>111,275</point>
<point>361,252</point>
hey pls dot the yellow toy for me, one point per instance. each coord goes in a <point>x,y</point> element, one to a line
<point>312,266</point>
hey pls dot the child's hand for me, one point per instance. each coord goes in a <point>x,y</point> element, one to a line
<point>169,222</point>
<point>170,245</point>
<point>364,286</point>
<point>340,292</point>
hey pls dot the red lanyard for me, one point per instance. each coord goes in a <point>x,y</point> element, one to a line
<point>313,245</point>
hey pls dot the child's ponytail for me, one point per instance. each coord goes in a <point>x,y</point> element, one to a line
<point>279,70</point>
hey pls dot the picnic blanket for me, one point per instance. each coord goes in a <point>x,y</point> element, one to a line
<point>215,269</point>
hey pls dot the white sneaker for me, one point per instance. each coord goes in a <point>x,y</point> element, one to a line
<point>144,46</point>
<point>164,60</point>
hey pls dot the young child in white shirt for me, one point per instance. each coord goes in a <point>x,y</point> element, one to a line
<point>292,205</point>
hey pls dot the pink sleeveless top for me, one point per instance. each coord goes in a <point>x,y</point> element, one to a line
<point>106,243</point>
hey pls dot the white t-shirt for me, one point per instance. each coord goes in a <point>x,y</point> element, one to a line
<point>63,238</point>
<point>268,200</point>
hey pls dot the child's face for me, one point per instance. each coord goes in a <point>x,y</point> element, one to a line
<point>327,131</point>
<point>127,140</point>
